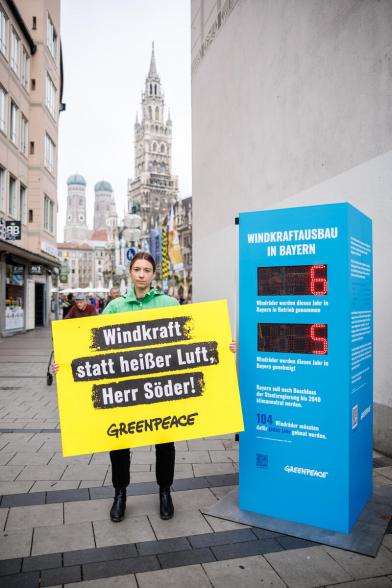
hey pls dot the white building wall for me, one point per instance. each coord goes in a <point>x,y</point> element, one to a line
<point>291,104</point>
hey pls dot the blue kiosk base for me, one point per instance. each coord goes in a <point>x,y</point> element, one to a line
<point>365,537</point>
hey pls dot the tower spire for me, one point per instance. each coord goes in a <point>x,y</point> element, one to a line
<point>153,67</point>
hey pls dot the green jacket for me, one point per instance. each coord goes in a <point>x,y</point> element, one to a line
<point>154,299</point>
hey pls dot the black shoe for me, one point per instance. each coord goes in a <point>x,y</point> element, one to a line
<point>166,507</point>
<point>118,509</point>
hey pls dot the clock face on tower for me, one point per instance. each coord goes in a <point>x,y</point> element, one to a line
<point>69,217</point>
<point>81,218</point>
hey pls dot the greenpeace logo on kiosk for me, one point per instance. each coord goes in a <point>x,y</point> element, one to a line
<point>304,471</point>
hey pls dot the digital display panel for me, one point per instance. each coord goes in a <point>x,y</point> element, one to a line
<point>292,338</point>
<point>286,280</point>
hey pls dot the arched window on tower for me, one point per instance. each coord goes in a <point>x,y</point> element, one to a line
<point>150,89</point>
<point>163,168</point>
<point>154,146</point>
<point>156,113</point>
<point>155,89</point>
<point>150,112</point>
<point>162,148</point>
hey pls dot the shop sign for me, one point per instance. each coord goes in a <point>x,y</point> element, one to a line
<point>36,270</point>
<point>10,230</point>
<point>49,249</point>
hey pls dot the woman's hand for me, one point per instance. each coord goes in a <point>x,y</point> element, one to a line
<point>54,367</point>
<point>233,346</point>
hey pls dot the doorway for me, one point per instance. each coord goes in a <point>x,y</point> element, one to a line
<point>39,305</point>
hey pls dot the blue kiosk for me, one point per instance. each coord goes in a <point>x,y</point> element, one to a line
<point>306,364</point>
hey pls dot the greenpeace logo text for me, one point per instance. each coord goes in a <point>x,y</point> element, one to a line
<point>304,471</point>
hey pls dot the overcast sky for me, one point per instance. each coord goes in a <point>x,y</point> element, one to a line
<point>106,52</point>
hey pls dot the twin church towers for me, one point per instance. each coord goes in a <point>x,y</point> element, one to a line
<point>151,192</point>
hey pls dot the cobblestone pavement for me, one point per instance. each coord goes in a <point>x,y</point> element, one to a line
<point>54,516</point>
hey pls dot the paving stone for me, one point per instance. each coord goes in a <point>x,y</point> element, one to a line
<point>16,544</point>
<point>386,471</point>
<point>370,583</point>
<point>182,524</point>
<point>68,495</point>
<point>264,533</point>
<point>87,510</point>
<point>294,542</point>
<point>185,558</point>
<point>101,492</point>
<point>23,499</point>
<point>142,488</point>
<point>61,575</point>
<point>138,467</point>
<point>144,457</point>
<point>205,445</point>
<point>5,458</point>
<point>223,479</point>
<point>387,542</point>
<point>208,469</point>
<point>48,486</point>
<point>190,483</point>
<point>224,456</point>
<point>137,477</point>
<point>85,472</point>
<point>34,516</point>
<point>42,562</point>
<point>361,566</point>
<point>247,572</point>
<point>163,546</point>
<point>73,460</point>
<point>120,566</point>
<point>192,576</point>
<point>26,580</point>
<point>100,459</point>
<point>235,550</point>
<point>10,566</point>
<point>48,472</point>
<point>3,517</point>
<point>14,487</point>
<point>222,491</point>
<point>62,538</point>
<point>30,459</point>
<point>126,581</point>
<point>130,530</point>
<point>193,457</point>
<point>223,525</point>
<point>224,538</point>
<point>89,483</point>
<point>194,499</point>
<point>307,568</point>
<point>84,556</point>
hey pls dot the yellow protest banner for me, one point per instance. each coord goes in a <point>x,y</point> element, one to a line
<point>137,378</point>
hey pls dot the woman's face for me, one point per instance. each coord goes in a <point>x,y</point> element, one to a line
<point>142,273</point>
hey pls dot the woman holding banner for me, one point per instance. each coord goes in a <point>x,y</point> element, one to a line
<point>142,297</point>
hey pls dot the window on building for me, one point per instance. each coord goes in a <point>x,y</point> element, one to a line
<point>3,32</point>
<point>14,123</point>
<point>49,153</point>
<point>48,214</point>
<point>156,113</point>
<point>25,69</point>
<point>23,204</point>
<point>2,189</point>
<point>34,27</point>
<point>12,197</point>
<point>50,96</point>
<point>52,38</point>
<point>150,112</point>
<point>163,148</point>
<point>24,134</point>
<point>3,110</point>
<point>14,59</point>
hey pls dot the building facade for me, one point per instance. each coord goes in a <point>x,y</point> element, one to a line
<point>77,264</point>
<point>154,189</point>
<point>76,228</point>
<point>31,83</point>
<point>306,120</point>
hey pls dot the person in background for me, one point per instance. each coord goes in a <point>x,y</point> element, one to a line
<point>113,294</point>
<point>81,308</point>
<point>67,304</point>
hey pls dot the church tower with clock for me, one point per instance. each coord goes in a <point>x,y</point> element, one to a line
<point>154,189</point>
<point>76,228</point>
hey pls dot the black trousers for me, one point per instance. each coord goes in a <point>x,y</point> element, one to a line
<point>164,465</point>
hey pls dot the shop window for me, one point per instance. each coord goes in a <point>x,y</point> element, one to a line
<point>14,303</point>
